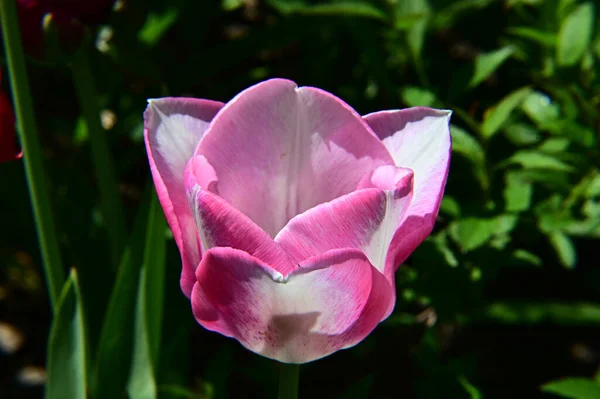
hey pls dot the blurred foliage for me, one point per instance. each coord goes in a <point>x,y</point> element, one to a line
<point>502,298</point>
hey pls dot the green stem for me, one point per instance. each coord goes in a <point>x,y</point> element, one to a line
<point>288,381</point>
<point>110,202</point>
<point>32,154</point>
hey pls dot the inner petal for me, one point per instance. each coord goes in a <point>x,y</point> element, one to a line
<point>280,150</point>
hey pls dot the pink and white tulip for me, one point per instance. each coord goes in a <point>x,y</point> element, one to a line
<point>292,212</point>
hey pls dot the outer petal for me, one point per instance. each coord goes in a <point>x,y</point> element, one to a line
<point>173,128</point>
<point>286,149</point>
<point>419,139</point>
<point>331,302</point>
<point>221,225</point>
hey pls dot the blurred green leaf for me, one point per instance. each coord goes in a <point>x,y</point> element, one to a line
<point>487,63</point>
<point>517,192</point>
<point>575,34</point>
<point>530,159</point>
<point>116,340</point>
<point>357,8</point>
<point>546,39</point>
<point>416,96</point>
<point>540,108</point>
<point>149,308</point>
<point>564,248</point>
<point>178,392</point>
<point>471,233</point>
<point>496,116</point>
<point>559,313</point>
<point>67,367</point>
<point>573,388</point>
<point>555,145</point>
<point>521,134</point>
<point>157,24</point>
<point>450,206</point>
<point>471,390</point>
<point>465,144</point>
<point>230,5</point>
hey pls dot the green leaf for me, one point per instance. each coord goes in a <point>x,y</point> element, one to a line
<point>517,192</point>
<point>487,63</point>
<point>545,39</point>
<point>521,134</point>
<point>564,248</point>
<point>149,308</point>
<point>67,368</point>
<point>473,392</point>
<point>471,233</point>
<point>497,116</point>
<point>346,8</point>
<point>530,159</point>
<point>416,96</point>
<point>157,25</point>
<point>114,350</point>
<point>540,108</point>
<point>559,313</point>
<point>465,144</point>
<point>575,35</point>
<point>555,145</point>
<point>574,388</point>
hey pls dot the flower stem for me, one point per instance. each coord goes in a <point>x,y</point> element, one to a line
<point>288,381</point>
<point>32,154</point>
<point>110,202</point>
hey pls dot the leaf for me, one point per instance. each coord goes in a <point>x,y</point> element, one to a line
<point>530,159</point>
<point>471,233</point>
<point>575,35</point>
<point>487,63</point>
<point>555,145</point>
<point>540,108</point>
<point>545,39</point>
<point>347,8</point>
<point>564,248</point>
<point>67,368</point>
<point>149,307</point>
<point>416,96</point>
<point>497,116</point>
<point>521,134</point>
<point>157,25</point>
<point>517,192</point>
<point>530,313</point>
<point>114,350</point>
<point>573,388</point>
<point>465,144</point>
<point>473,392</point>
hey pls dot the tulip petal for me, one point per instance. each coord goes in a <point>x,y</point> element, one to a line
<point>418,138</point>
<point>221,225</point>
<point>365,219</point>
<point>330,302</point>
<point>286,149</point>
<point>173,129</point>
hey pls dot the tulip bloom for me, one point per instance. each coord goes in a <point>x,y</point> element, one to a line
<point>8,135</point>
<point>67,14</point>
<point>292,212</point>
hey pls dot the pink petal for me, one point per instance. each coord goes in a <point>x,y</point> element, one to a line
<point>285,149</point>
<point>221,225</point>
<point>173,128</point>
<point>365,219</point>
<point>419,139</point>
<point>330,302</point>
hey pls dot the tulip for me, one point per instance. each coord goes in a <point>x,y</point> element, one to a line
<point>66,14</point>
<point>292,212</point>
<point>8,134</point>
